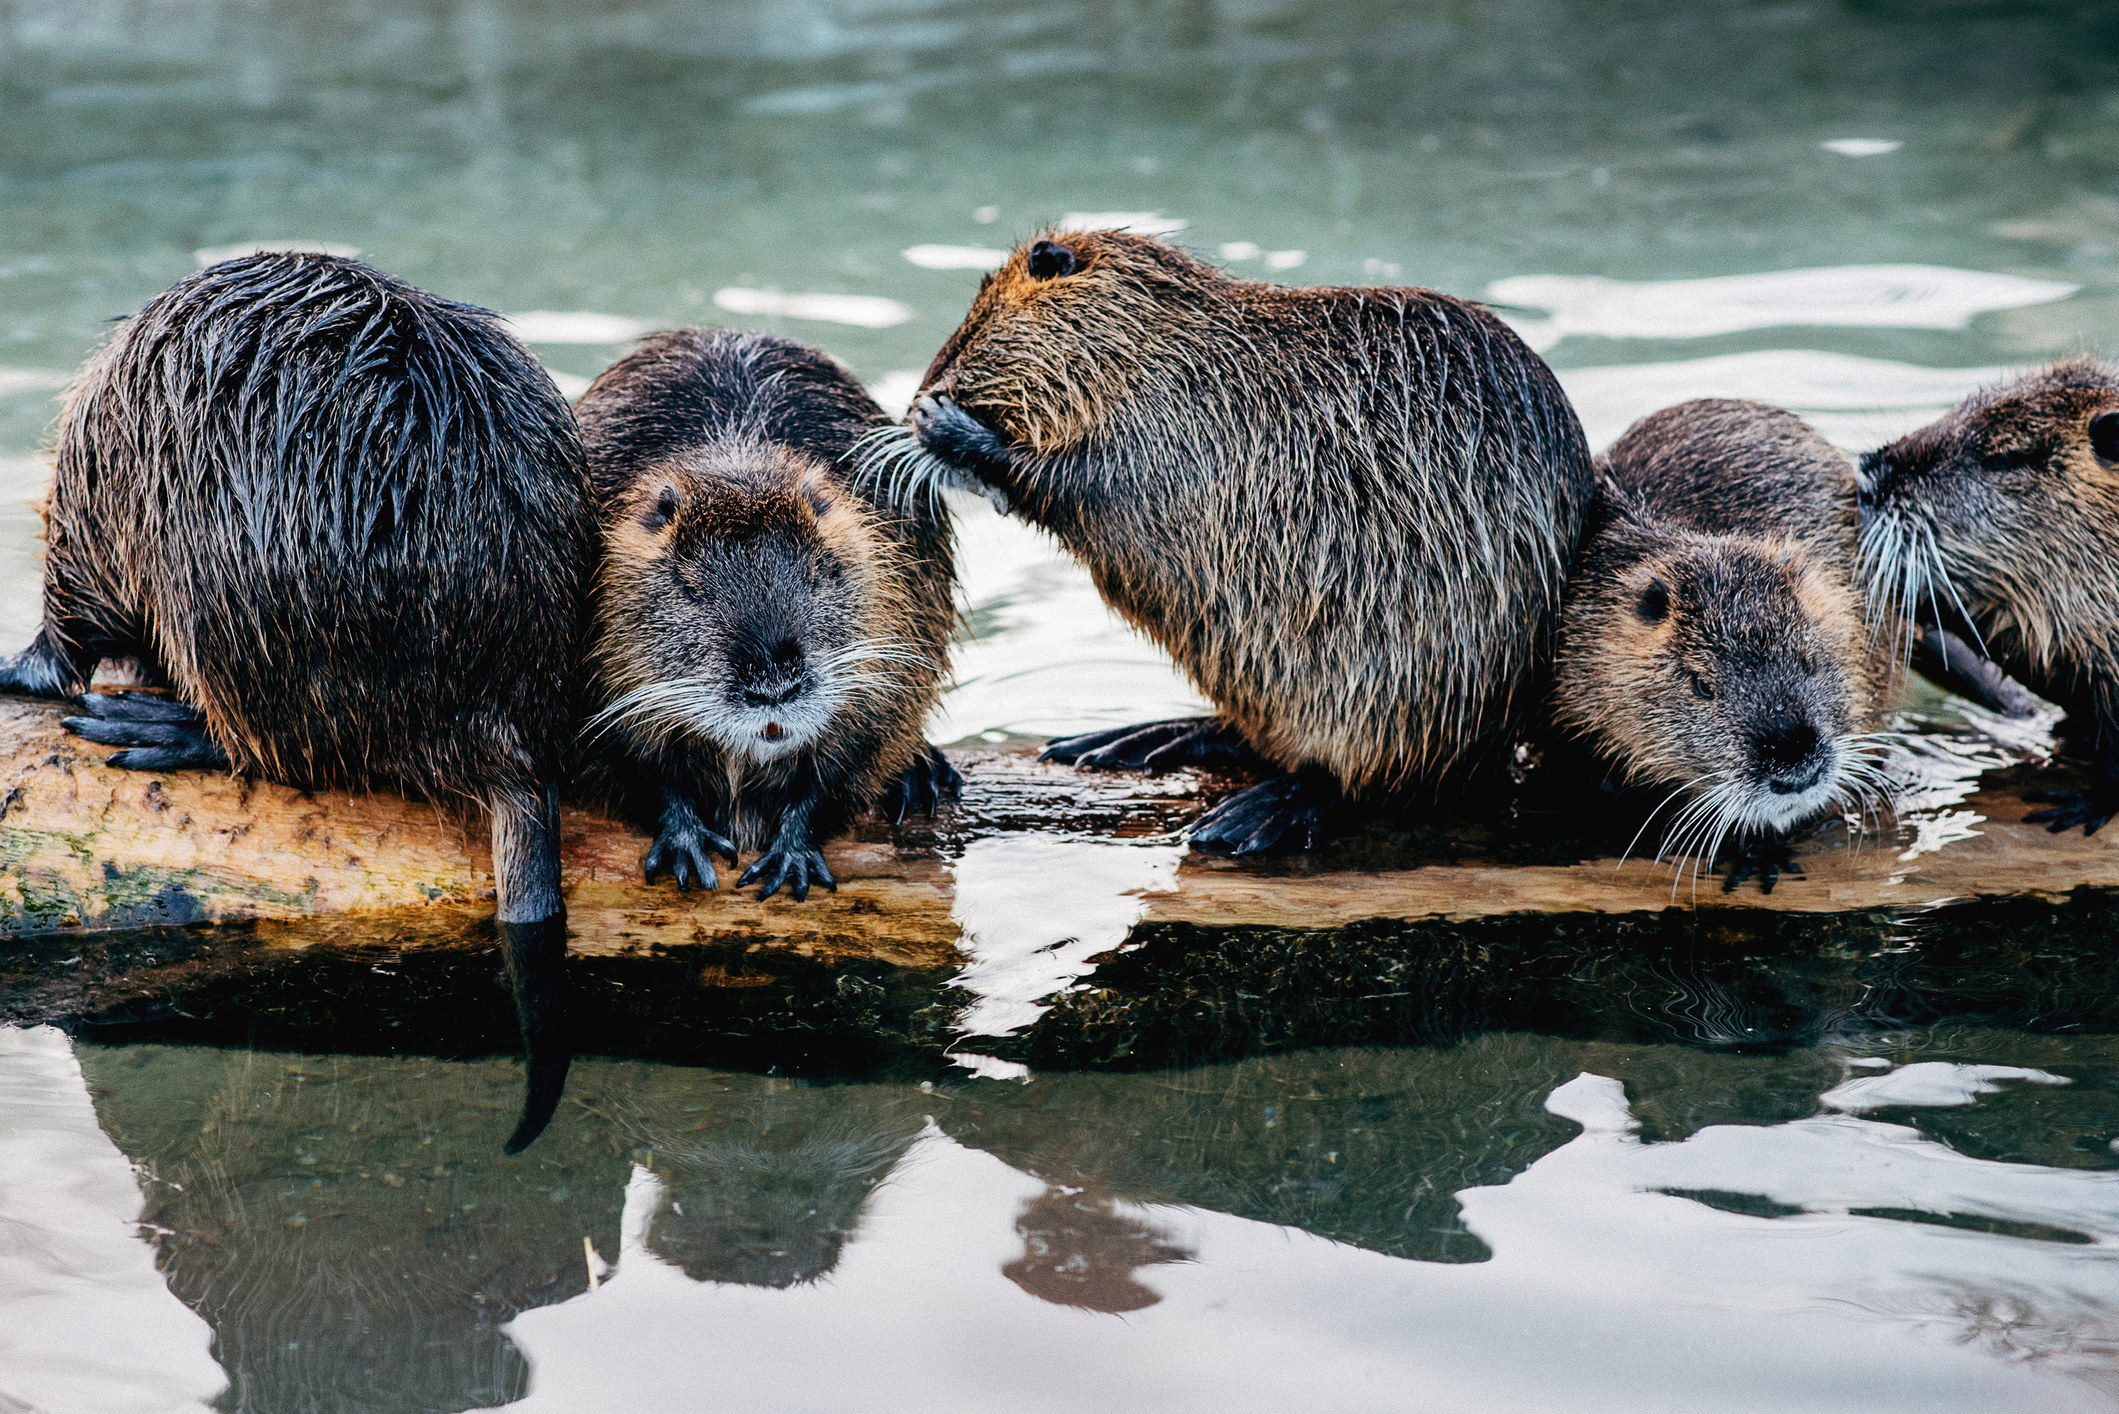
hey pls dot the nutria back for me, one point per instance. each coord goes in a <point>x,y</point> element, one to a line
<point>350,519</point>
<point>1347,513</point>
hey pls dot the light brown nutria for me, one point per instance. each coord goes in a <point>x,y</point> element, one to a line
<point>349,523</point>
<point>769,638</point>
<point>1346,513</point>
<point>1714,643</point>
<point>2001,521</point>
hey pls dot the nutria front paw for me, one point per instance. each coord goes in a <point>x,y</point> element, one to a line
<point>1292,807</point>
<point>927,782</point>
<point>2087,808</point>
<point>1764,858</point>
<point>954,435</point>
<point>686,851</point>
<point>163,734</point>
<point>795,867</point>
<point>1154,746</point>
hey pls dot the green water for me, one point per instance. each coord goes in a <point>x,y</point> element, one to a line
<point>1464,1225</point>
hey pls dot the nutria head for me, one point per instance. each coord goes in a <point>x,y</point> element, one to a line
<point>744,599</point>
<point>2006,513</point>
<point>1732,667</point>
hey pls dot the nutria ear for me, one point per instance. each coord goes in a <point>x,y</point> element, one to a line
<point>1049,260</point>
<point>1654,603</point>
<point>2104,437</point>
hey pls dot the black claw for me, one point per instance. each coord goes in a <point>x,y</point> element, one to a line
<point>164,735</point>
<point>1255,820</point>
<point>1153,746</point>
<point>794,868</point>
<point>926,783</point>
<point>138,707</point>
<point>1765,859</point>
<point>687,855</point>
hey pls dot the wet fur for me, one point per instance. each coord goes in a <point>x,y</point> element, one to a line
<point>349,523</point>
<point>751,432</point>
<point>1346,513</point>
<point>1737,522</point>
<point>2002,522</point>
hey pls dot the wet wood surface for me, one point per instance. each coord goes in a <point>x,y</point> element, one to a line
<point>84,847</point>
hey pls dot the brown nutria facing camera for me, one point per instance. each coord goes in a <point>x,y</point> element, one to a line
<point>2000,523</point>
<point>769,633</point>
<point>1714,643</point>
<point>349,524</point>
<point>1346,513</point>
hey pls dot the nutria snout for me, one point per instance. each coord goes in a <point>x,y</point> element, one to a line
<point>1996,524</point>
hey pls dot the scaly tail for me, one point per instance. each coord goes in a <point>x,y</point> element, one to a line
<point>532,921</point>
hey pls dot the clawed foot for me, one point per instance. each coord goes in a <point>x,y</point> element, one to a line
<point>794,867</point>
<point>1255,820</point>
<point>1154,746</point>
<point>927,782</point>
<point>162,734</point>
<point>1763,857</point>
<point>2087,808</point>
<point>686,852</point>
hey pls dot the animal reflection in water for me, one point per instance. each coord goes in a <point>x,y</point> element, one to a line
<point>1079,1250</point>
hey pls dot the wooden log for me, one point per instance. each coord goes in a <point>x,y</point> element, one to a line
<point>85,847</point>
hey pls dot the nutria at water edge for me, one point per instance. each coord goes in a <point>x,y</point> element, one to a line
<point>1346,513</point>
<point>2001,522</point>
<point>769,635</point>
<point>1714,645</point>
<point>349,523</point>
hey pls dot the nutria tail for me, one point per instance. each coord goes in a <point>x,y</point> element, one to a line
<point>532,921</point>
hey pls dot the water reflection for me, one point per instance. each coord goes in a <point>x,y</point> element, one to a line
<point>1354,1222</point>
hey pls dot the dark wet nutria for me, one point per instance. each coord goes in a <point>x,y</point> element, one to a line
<point>1714,643</point>
<point>769,634</point>
<point>2000,524</point>
<point>349,524</point>
<point>1346,513</point>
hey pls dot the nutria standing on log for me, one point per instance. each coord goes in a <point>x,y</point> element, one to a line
<point>1714,643</point>
<point>2000,523</point>
<point>770,632</point>
<point>349,524</point>
<point>1346,513</point>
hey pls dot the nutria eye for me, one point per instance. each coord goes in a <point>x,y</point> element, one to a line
<point>665,509</point>
<point>2104,437</point>
<point>1700,688</point>
<point>1049,260</point>
<point>1654,605</point>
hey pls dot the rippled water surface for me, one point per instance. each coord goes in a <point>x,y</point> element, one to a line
<point>1857,210</point>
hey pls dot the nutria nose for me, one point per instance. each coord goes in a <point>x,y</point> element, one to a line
<point>775,695</point>
<point>1787,755</point>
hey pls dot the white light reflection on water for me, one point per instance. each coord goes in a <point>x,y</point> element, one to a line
<point>1842,296</point>
<point>1035,908</point>
<point>1607,1291</point>
<point>86,1324</point>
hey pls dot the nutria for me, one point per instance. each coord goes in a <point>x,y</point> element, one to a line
<point>1714,642</point>
<point>1998,523</point>
<point>349,524</point>
<point>1346,513</point>
<point>769,633</point>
